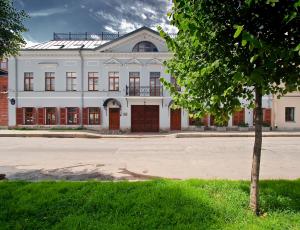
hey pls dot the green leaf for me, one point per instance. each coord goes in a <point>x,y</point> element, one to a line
<point>253,58</point>
<point>238,31</point>
<point>244,42</point>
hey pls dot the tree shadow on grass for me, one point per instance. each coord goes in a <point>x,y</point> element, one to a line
<point>277,195</point>
<point>142,205</point>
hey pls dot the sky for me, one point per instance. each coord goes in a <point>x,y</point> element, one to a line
<point>48,16</point>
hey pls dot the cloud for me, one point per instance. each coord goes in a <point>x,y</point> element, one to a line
<point>47,12</point>
<point>50,16</point>
<point>109,29</point>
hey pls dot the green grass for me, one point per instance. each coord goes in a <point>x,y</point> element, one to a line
<point>158,204</point>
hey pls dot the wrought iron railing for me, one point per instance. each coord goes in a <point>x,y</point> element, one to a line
<point>144,91</point>
<point>86,36</point>
<point>106,36</point>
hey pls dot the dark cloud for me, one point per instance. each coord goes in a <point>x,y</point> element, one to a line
<point>50,16</point>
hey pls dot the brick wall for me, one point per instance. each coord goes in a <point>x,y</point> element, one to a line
<point>3,101</point>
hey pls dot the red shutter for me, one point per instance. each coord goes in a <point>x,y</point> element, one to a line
<point>34,114</point>
<point>78,116</point>
<point>267,117</point>
<point>56,116</point>
<point>85,116</point>
<point>205,120</point>
<point>41,116</point>
<point>99,116</point>
<point>239,117</point>
<point>63,116</point>
<point>212,120</point>
<point>19,116</point>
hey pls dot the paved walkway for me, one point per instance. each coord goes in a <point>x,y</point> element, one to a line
<point>143,158</point>
<point>94,134</point>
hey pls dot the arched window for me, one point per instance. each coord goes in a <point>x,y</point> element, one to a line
<point>144,46</point>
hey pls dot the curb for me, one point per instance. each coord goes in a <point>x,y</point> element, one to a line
<point>199,135</point>
<point>70,135</point>
<point>58,135</point>
<point>178,135</point>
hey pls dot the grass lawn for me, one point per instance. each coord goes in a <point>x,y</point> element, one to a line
<point>158,204</point>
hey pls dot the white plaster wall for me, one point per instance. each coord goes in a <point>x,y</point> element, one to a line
<point>291,100</point>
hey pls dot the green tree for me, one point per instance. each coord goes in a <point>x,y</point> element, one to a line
<point>226,51</point>
<point>11,29</point>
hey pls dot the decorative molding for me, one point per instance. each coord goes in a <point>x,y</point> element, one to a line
<point>134,61</point>
<point>112,61</point>
<point>154,61</point>
<point>48,64</point>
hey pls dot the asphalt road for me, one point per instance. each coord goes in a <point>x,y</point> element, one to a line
<point>81,159</point>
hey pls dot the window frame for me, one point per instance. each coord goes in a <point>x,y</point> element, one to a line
<point>115,79</point>
<point>135,90</point>
<point>71,76</point>
<point>75,116</point>
<point>144,46</point>
<point>30,114</point>
<point>289,117</point>
<point>50,76</point>
<point>94,77</point>
<point>54,112</point>
<point>28,76</point>
<point>155,77</point>
<point>94,111</point>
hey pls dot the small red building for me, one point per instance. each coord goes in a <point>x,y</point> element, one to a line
<point>3,93</point>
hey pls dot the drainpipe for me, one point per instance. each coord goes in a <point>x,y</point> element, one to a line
<point>16,81</point>
<point>82,85</point>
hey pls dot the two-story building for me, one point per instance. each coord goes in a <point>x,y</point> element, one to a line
<point>100,81</point>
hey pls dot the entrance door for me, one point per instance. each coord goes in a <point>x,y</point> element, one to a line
<point>114,118</point>
<point>145,118</point>
<point>175,119</point>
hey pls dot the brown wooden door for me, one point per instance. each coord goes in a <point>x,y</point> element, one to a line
<point>114,118</point>
<point>144,118</point>
<point>175,119</point>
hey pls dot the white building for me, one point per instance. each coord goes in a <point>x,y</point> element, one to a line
<point>98,83</point>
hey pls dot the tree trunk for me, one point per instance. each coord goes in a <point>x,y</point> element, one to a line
<point>254,189</point>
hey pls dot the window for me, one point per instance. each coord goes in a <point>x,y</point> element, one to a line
<point>174,83</point>
<point>49,81</point>
<point>93,81</point>
<point>134,83</point>
<point>144,46</point>
<point>29,116</point>
<point>3,64</point>
<point>71,81</point>
<point>113,81</point>
<point>154,84</point>
<point>94,116</point>
<point>289,113</point>
<point>50,116</point>
<point>72,116</point>
<point>28,81</point>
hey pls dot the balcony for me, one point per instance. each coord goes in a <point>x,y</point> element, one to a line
<point>144,91</point>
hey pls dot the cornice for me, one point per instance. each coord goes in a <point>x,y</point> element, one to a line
<point>92,55</point>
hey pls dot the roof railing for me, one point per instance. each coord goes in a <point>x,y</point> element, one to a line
<point>103,36</point>
<point>86,36</point>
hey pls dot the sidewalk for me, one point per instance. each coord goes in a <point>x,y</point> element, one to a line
<point>93,134</point>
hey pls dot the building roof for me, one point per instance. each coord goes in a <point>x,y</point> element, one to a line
<point>83,44</point>
<point>67,44</point>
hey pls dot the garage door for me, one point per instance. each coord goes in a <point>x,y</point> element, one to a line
<point>145,118</point>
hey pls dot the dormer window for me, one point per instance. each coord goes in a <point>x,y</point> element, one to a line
<point>144,46</point>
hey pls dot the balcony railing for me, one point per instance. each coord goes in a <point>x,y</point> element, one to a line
<point>144,91</point>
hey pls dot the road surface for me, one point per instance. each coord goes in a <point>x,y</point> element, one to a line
<point>143,158</point>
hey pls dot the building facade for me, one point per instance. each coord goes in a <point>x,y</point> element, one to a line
<point>286,112</point>
<point>101,82</point>
<point>3,93</point>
